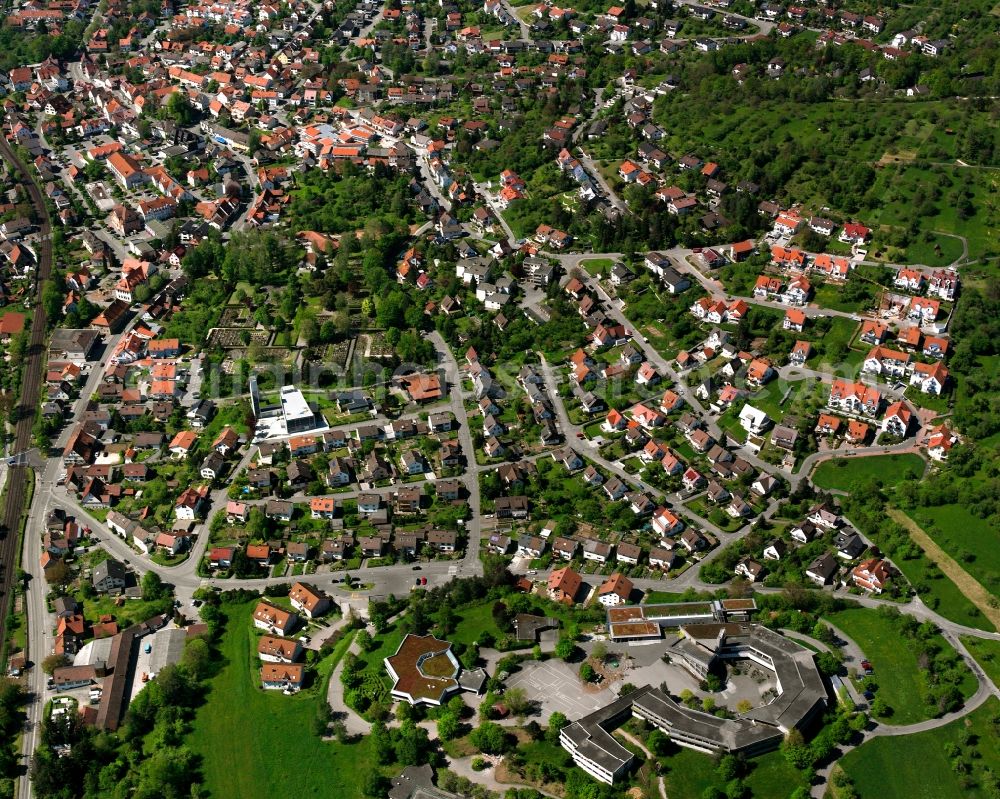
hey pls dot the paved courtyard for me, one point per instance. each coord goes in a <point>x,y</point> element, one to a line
<point>556,687</point>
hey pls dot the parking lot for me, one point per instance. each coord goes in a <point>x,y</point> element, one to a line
<point>555,686</point>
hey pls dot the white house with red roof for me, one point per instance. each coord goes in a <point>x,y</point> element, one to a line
<point>924,309</point>
<point>855,399</point>
<point>940,441</point>
<point>666,523</point>
<point>930,378</point>
<point>854,233</point>
<point>871,575</point>
<point>884,361</point>
<point>798,291</point>
<point>646,416</point>
<point>647,374</point>
<point>614,421</point>
<point>692,479</point>
<point>795,320</point>
<point>909,279</point>
<point>897,419</point>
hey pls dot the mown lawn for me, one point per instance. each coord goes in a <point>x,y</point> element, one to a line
<point>242,731</point>
<point>842,473</point>
<point>967,538</point>
<point>772,775</point>
<point>918,767</point>
<point>895,662</point>
<point>688,774</point>
<point>475,620</point>
<point>597,266</point>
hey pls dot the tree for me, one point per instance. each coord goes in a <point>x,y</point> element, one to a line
<point>152,587</point>
<point>796,752</point>
<point>880,707</point>
<point>502,617</point>
<point>490,738</point>
<point>179,108</point>
<point>381,744</point>
<point>599,651</point>
<point>516,701</point>
<point>556,722</point>
<point>373,784</point>
<point>729,768</point>
<point>565,649</point>
<point>411,744</point>
<point>447,726</point>
<point>58,573</point>
<point>587,673</point>
<point>197,658</point>
<point>53,662</point>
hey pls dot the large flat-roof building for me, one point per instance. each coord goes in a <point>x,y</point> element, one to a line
<point>801,694</point>
<point>637,622</point>
<point>291,415</point>
<point>299,416</point>
<point>424,670</point>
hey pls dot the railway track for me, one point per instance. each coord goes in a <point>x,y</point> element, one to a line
<point>27,407</point>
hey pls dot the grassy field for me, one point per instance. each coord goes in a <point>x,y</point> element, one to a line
<point>987,655</point>
<point>942,596</point>
<point>895,662</point>
<point>967,538</point>
<point>240,726</point>
<point>830,295</point>
<point>687,775</point>
<point>597,266</point>
<point>892,191</point>
<point>842,473</point>
<point>475,620</point>
<point>900,184</point>
<point>772,775</point>
<point>972,589</point>
<point>926,771</point>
